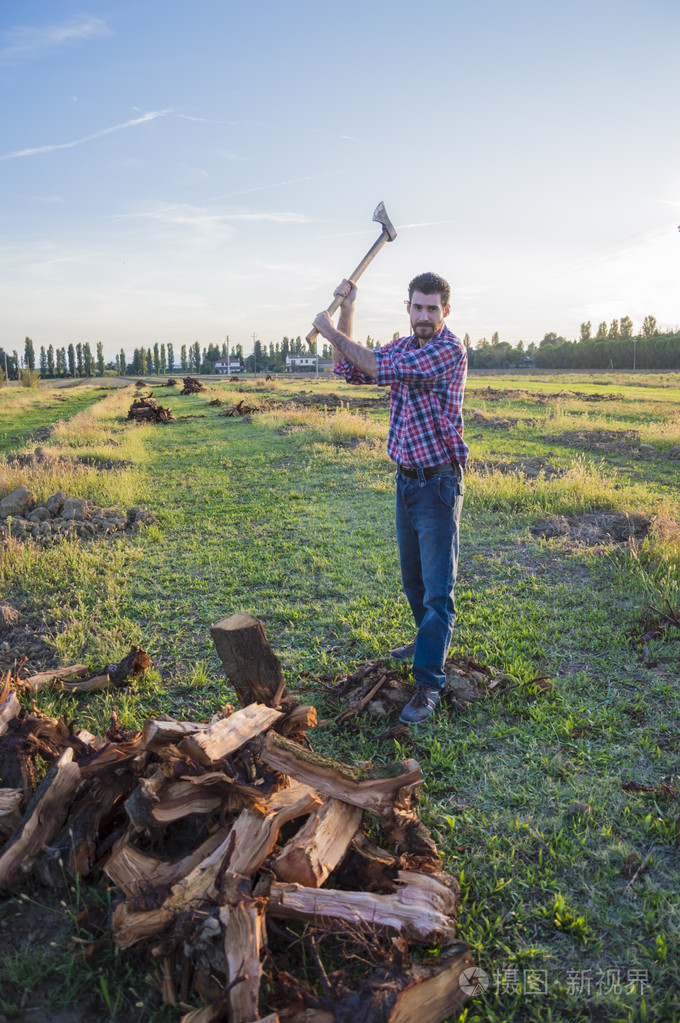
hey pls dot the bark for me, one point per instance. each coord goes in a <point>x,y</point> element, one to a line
<point>249,662</point>
<point>420,909</point>
<point>44,817</point>
<point>310,857</point>
<point>371,788</point>
<point>229,734</point>
<point>244,939</point>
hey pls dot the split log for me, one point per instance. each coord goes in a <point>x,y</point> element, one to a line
<point>311,856</point>
<point>371,788</point>
<point>9,703</point>
<point>250,664</point>
<point>297,719</point>
<point>73,851</point>
<point>244,939</point>
<point>44,678</point>
<point>91,684</point>
<point>10,810</point>
<point>133,870</point>
<point>422,907</point>
<point>45,815</point>
<point>161,732</point>
<point>158,800</point>
<point>229,734</point>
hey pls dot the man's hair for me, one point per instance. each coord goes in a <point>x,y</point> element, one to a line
<point>430,284</point>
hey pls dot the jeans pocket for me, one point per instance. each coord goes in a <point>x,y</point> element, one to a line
<point>449,489</point>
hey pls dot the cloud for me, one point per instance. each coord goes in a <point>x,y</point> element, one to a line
<point>30,41</point>
<point>86,138</point>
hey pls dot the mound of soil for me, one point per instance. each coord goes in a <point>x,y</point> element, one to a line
<point>481,419</point>
<point>594,528</point>
<point>41,456</point>
<point>62,516</point>
<point>530,468</point>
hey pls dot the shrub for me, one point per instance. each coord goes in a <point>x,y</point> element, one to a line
<point>29,377</point>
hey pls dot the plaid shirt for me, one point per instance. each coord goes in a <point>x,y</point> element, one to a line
<point>427,387</point>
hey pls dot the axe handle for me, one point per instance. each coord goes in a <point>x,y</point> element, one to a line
<point>354,276</point>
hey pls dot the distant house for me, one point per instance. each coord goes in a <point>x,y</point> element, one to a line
<point>231,365</point>
<point>306,364</point>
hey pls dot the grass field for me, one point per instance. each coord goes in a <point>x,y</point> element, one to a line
<point>288,515</point>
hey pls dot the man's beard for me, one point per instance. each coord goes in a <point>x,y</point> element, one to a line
<point>431,328</point>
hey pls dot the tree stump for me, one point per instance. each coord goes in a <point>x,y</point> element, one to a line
<point>249,662</point>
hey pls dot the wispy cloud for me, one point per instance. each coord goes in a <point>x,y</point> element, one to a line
<point>31,41</point>
<point>50,148</point>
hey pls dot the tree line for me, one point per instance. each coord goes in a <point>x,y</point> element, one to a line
<point>77,360</point>
<point>611,346</point>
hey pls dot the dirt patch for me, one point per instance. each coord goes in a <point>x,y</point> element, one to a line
<point>620,442</point>
<point>498,422</point>
<point>24,635</point>
<point>530,468</point>
<point>594,528</point>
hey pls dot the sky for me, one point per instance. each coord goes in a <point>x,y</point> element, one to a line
<point>187,172</point>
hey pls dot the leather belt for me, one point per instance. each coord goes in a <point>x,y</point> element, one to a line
<point>428,472</point>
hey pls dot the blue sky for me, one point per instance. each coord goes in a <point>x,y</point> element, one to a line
<point>174,172</point>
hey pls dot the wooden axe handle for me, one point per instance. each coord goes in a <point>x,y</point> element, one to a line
<point>354,276</point>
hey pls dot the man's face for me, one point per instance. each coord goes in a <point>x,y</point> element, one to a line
<point>427,314</point>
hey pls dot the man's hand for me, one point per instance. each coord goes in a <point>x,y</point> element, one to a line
<point>347,291</point>
<point>324,324</point>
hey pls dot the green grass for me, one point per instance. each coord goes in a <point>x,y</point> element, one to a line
<point>290,517</point>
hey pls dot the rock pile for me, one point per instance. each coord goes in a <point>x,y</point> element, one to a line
<point>61,515</point>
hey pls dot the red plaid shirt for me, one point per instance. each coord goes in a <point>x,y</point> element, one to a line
<point>427,387</point>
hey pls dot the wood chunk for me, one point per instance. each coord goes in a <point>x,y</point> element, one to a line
<point>160,732</point>
<point>249,662</point>
<point>87,685</point>
<point>228,734</point>
<point>371,788</point>
<point>44,678</point>
<point>131,869</point>
<point>9,703</point>
<point>297,719</point>
<point>244,939</point>
<point>10,810</point>
<point>367,866</point>
<point>311,855</point>
<point>158,800</point>
<point>422,908</point>
<point>44,817</point>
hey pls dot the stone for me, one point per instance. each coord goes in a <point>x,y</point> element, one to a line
<point>39,514</point>
<point>19,502</point>
<point>75,508</point>
<point>55,503</point>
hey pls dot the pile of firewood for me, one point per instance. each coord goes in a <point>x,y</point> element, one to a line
<point>240,856</point>
<point>147,410</point>
<point>241,409</point>
<point>192,386</point>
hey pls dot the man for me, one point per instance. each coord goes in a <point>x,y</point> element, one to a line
<point>426,373</point>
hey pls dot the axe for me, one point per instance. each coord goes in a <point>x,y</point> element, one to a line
<point>388,234</point>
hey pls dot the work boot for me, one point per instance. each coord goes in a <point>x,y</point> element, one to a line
<point>420,706</point>
<point>403,653</point>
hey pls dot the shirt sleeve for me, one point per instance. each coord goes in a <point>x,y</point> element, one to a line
<point>351,374</point>
<point>418,365</point>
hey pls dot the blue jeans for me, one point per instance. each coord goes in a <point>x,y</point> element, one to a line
<point>428,513</point>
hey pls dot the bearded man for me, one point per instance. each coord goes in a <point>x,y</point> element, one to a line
<point>426,373</point>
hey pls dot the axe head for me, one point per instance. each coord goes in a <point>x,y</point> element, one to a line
<point>380,216</point>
